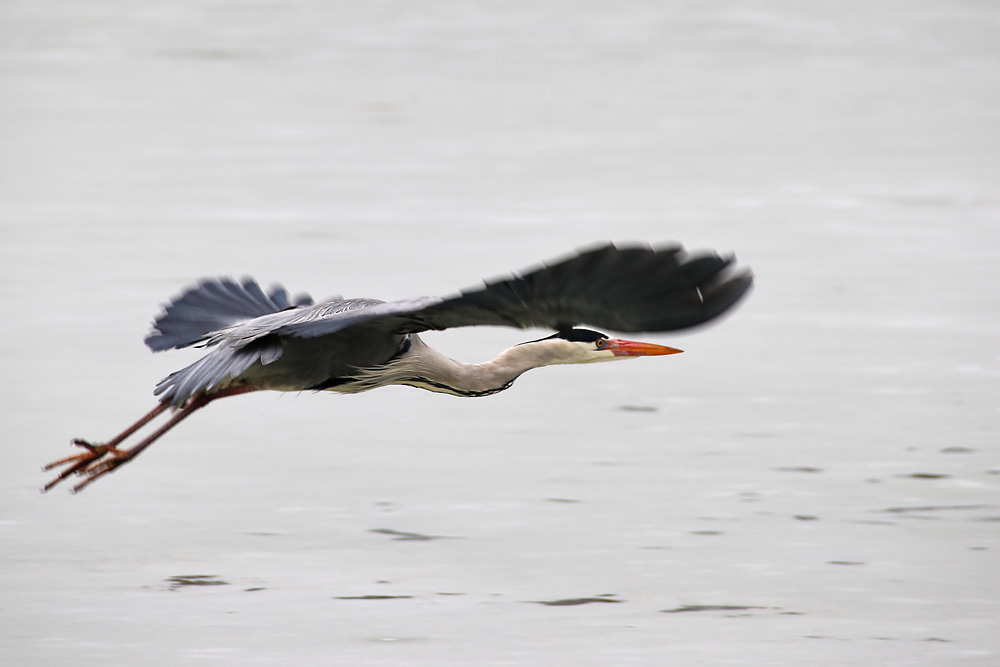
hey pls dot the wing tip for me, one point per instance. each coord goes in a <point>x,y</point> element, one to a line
<point>724,294</point>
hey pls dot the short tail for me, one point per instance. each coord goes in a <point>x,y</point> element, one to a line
<point>212,305</point>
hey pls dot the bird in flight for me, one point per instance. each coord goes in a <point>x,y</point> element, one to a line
<point>266,340</point>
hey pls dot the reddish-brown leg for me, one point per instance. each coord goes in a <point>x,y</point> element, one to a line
<point>100,459</point>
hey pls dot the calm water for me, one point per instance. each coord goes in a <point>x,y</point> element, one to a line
<point>815,481</point>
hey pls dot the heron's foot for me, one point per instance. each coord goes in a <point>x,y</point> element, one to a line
<point>102,466</point>
<point>96,460</point>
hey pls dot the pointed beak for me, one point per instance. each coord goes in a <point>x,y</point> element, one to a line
<point>631,348</point>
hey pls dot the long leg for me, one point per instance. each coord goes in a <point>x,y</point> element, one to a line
<point>100,459</point>
<point>99,467</point>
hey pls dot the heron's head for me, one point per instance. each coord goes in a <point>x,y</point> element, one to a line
<point>581,346</point>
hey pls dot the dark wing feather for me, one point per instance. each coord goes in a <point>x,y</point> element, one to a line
<point>212,305</point>
<point>212,371</point>
<point>627,289</point>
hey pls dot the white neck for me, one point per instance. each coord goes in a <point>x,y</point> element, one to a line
<point>424,367</point>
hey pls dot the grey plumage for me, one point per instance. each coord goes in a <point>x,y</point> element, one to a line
<point>212,305</point>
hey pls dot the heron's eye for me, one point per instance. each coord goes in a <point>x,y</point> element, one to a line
<point>601,342</point>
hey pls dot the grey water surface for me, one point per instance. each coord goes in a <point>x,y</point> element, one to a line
<point>814,482</point>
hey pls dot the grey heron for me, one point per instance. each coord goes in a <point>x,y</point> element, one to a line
<point>266,340</point>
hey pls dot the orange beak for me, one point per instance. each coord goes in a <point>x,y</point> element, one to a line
<point>631,348</point>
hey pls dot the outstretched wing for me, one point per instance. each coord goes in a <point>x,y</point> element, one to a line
<point>205,314</point>
<point>212,305</point>
<point>627,289</point>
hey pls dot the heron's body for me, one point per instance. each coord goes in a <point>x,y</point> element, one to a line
<point>265,341</point>
<point>405,360</point>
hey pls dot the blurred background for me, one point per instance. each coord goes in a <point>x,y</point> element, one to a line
<point>815,481</point>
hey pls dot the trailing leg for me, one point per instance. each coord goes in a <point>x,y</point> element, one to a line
<point>102,458</point>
